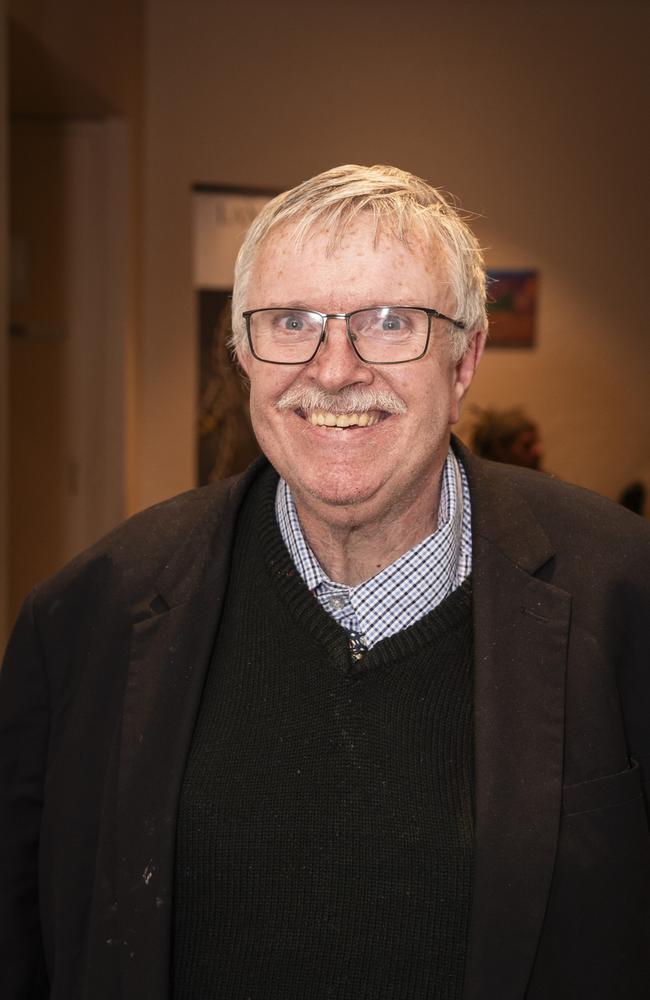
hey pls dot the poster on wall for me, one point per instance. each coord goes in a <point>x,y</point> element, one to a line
<point>512,307</point>
<point>224,439</point>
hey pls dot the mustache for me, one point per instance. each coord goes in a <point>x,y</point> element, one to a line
<point>350,399</point>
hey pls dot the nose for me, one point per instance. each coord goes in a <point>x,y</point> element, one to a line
<point>336,364</point>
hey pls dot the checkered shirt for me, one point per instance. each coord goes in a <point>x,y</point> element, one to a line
<point>406,590</point>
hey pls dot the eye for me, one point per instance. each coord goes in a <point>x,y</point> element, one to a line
<point>292,323</point>
<point>392,323</point>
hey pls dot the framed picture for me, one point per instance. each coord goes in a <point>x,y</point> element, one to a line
<point>225,443</point>
<point>512,308</point>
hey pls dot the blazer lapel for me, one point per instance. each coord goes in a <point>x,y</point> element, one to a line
<point>521,631</point>
<point>171,644</point>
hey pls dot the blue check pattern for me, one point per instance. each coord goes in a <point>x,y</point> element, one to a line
<point>407,589</point>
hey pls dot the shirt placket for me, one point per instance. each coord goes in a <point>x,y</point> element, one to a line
<point>338,602</point>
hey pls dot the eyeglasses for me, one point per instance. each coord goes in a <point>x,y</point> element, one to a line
<point>384,335</point>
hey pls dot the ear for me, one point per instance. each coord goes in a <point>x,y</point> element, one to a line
<point>465,370</point>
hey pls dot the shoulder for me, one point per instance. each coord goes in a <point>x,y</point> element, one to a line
<point>583,528</point>
<point>552,498</point>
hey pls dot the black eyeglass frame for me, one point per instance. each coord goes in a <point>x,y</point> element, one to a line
<point>431,314</point>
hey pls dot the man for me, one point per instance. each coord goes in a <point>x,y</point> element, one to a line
<point>370,721</point>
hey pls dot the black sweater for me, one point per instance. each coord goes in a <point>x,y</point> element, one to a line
<point>324,842</point>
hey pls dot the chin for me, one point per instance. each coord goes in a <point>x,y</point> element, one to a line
<point>334,493</point>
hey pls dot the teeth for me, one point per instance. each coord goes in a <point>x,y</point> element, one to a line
<point>326,419</point>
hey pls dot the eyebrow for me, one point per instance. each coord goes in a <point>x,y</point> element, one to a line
<point>295,304</point>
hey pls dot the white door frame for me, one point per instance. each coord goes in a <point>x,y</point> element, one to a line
<point>97,309</point>
<point>97,314</point>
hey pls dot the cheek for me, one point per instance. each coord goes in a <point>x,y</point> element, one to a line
<point>266,387</point>
<point>258,418</point>
<point>437,394</point>
<point>265,390</point>
<point>261,408</point>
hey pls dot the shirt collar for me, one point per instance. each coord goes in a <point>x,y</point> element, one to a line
<point>412,585</point>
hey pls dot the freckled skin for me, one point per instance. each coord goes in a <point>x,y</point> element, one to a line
<point>366,495</point>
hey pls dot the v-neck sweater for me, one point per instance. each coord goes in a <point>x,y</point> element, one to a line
<point>324,838</point>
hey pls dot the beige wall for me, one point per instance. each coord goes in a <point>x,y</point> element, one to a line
<point>87,54</point>
<point>75,89</point>
<point>534,114</point>
<point>531,113</point>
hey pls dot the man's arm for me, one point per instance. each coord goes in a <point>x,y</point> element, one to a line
<point>23,752</point>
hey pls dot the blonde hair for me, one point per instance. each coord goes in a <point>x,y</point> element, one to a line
<point>400,204</point>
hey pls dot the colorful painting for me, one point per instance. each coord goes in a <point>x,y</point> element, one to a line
<point>512,308</point>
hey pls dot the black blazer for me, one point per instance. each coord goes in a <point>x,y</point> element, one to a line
<point>100,693</point>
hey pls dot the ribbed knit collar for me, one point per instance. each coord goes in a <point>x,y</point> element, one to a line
<point>451,613</point>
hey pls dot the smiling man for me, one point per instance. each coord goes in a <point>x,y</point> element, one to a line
<point>370,721</point>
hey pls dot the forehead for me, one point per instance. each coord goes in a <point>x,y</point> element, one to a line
<point>340,272</point>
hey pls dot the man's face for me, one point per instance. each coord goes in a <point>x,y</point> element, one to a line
<point>360,473</point>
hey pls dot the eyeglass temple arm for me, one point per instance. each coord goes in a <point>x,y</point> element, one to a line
<point>454,322</point>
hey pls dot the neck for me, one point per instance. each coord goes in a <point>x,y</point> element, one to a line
<point>352,548</point>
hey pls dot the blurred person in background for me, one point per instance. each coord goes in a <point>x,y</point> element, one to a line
<point>507,436</point>
<point>634,497</point>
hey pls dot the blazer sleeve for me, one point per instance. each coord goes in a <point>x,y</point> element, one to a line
<point>633,605</point>
<point>23,753</point>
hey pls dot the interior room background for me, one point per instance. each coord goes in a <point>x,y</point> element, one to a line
<point>533,114</point>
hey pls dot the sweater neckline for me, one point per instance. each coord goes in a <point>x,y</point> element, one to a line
<point>310,615</point>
